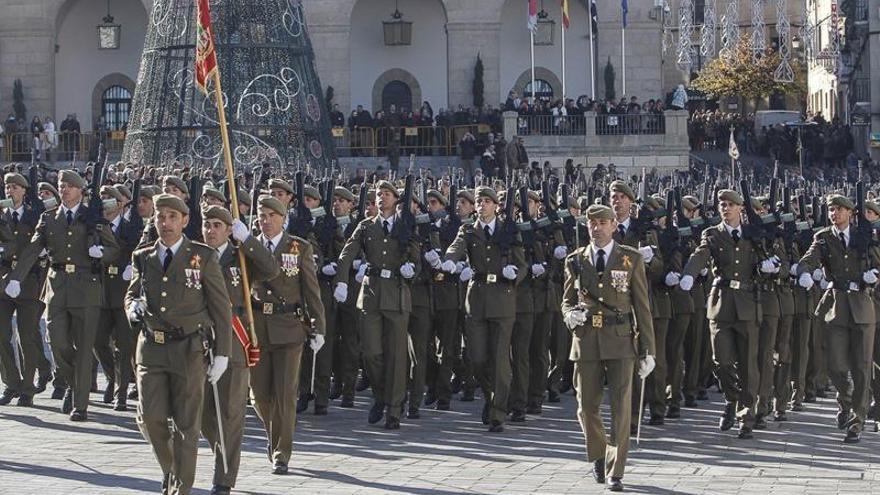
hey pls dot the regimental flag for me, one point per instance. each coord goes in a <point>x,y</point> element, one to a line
<point>624,9</point>
<point>206,56</point>
<point>533,15</point>
<point>565,19</point>
<point>732,150</point>
<point>594,16</point>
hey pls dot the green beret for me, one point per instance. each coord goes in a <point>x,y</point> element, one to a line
<point>311,192</point>
<point>841,201</point>
<point>218,213</point>
<point>124,191</point>
<point>384,184</point>
<point>280,184</point>
<point>273,204</point>
<point>71,178</point>
<point>572,202</point>
<point>343,193</point>
<point>690,202</point>
<point>758,203</point>
<point>600,212</point>
<point>653,203</point>
<point>45,186</point>
<point>873,206</point>
<point>213,193</point>
<point>244,197</point>
<point>534,196</point>
<point>171,201</point>
<point>113,193</point>
<point>371,195</point>
<point>466,195</point>
<point>433,193</point>
<point>487,192</point>
<point>730,195</point>
<point>17,179</point>
<point>170,180</point>
<point>619,186</point>
<point>150,191</point>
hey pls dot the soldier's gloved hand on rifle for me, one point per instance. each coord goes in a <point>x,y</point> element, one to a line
<point>240,231</point>
<point>448,266</point>
<point>870,276</point>
<point>361,273</point>
<point>646,366</point>
<point>127,273</point>
<point>768,266</point>
<point>823,284</point>
<point>704,272</point>
<point>13,289</point>
<point>96,251</point>
<point>647,253</point>
<point>433,258</point>
<point>329,269</point>
<point>575,318</point>
<point>806,281</point>
<point>793,270</point>
<point>560,252</point>
<point>316,342</point>
<point>341,292</point>
<point>466,274</point>
<point>672,279</point>
<point>136,310</point>
<point>356,264</point>
<point>217,368</point>
<point>686,283</point>
<point>818,274</point>
<point>509,272</point>
<point>460,266</point>
<point>538,270</point>
<point>407,270</point>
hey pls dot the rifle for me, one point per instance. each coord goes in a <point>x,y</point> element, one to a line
<point>300,219</point>
<point>361,210</point>
<point>327,226</point>
<point>32,199</point>
<point>507,236</point>
<point>449,227</point>
<point>405,225</point>
<point>94,215</point>
<point>863,237</point>
<point>194,227</point>
<point>668,239</point>
<point>131,234</point>
<point>528,226</point>
<point>569,223</point>
<point>754,230</point>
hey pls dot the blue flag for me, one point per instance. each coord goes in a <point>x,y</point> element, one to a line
<point>624,8</point>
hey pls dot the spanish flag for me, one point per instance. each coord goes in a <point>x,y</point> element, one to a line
<point>206,56</point>
<point>565,19</point>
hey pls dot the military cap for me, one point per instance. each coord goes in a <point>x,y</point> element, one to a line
<point>730,195</point>
<point>273,204</point>
<point>758,203</point>
<point>71,178</point>
<point>534,196</point>
<point>343,193</point>
<point>433,193</point>
<point>371,195</point>
<point>487,192</point>
<point>620,186</point>
<point>690,202</point>
<point>280,184</point>
<point>125,191</point>
<point>572,202</point>
<point>218,213</point>
<point>170,180</point>
<point>653,203</point>
<point>113,193</point>
<point>311,192</point>
<point>841,201</point>
<point>45,186</point>
<point>873,206</point>
<point>213,193</point>
<point>600,212</point>
<point>244,197</point>
<point>384,184</point>
<point>466,195</point>
<point>150,191</point>
<point>17,179</point>
<point>171,201</point>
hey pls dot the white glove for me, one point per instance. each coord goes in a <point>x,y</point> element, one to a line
<point>316,342</point>
<point>767,266</point>
<point>466,274</point>
<point>136,310</point>
<point>96,251</point>
<point>870,276</point>
<point>13,289</point>
<point>329,269</point>
<point>686,283</point>
<point>646,366</point>
<point>448,266</point>
<point>127,273</point>
<point>240,231</point>
<point>704,272</point>
<point>560,252</point>
<point>575,318</point>
<point>793,270</point>
<point>408,270</point>
<point>356,264</point>
<point>433,258</point>
<point>461,265</point>
<point>216,370</point>
<point>44,253</point>
<point>341,292</point>
<point>647,253</point>
<point>672,279</point>
<point>509,272</point>
<point>361,273</point>
<point>818,274</point>
<point>806,281</point>
<point>538,270</point>
<point>823,284</point>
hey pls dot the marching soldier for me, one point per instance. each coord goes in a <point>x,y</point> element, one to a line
<point>287,311</point>
<point>74,291</point>
<point>178,295</point>
<point>232,387</point>
<point>605,305</point>
<point>847,309</point>
<point>346,355</point>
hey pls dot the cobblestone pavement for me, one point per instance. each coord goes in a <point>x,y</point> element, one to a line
<point>447,453</point>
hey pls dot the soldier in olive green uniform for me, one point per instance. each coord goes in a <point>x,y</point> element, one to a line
<point>232,388</point>
<point>287,312</point>
<point>847,309</point>
<point>605,305</point>
<point>74,292</point>
<point>872,213</point>
<point>347,352</point>
<point>490,301</point>
<point>385,300</point>
<point>178,294</point>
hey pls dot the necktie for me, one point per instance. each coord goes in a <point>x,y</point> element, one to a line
<point>842,239</point>
<point>15,217</point>
<point>270,246</point>
<point>69,217</point>
<point>600,260</point>
<point>167,261</point>
<point>487,231</point>
<point>735,234</point>
<point>385,227</point>
<point>621,230</point>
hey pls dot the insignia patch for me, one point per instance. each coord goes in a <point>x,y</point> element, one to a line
<point>627,262</point>
<point>195,261</point>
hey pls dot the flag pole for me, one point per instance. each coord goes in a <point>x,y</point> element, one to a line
<point>623,58</point>
<point>532,56</point>
<point>592,61</point>
<point>562,8</point>
<point>233,198</point>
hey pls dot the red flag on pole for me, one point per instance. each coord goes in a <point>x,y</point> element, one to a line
<point>206,56</point>
<point>565,19</point>
<point>533,15</point>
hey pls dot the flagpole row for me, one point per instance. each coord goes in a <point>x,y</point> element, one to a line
<point>592,56</point>
<point>532,57</point>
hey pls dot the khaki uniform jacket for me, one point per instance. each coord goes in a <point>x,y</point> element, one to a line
<point>296,284</point>
<point>842,266</point>
<point>114,285</point>
<point>658,291</point>
<point>485,299</point>
<point>13,239</point>
<point>191,296</point>
<point>621,290</point>
<point>68,246</point>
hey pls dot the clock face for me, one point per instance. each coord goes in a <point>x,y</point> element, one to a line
<point>108,37</point>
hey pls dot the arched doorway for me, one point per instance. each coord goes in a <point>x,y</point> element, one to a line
<point>115,108</point>
<point>397,93</point>
<point>542,90</point>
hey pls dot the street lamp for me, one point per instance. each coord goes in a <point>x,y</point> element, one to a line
<point>109,33</point>
<point>397,31</point>
<point>545,30</point>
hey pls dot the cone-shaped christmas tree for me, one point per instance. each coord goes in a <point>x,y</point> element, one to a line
<point>273,98</point>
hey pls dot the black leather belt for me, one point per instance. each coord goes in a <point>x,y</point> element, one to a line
<point>732,284</point>
<point>69,267</point>
<point>165,336</point>
<point>268,308</point>
<point>375,271</point>
<point>490,278</point>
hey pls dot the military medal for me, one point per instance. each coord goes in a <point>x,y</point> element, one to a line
<point>194,273</point>
<point>236,276</point>
<point>197,279</point>
<point>627,263</point>
<point>620,280</point>
<point>290,261</point>
<point>189,278</point>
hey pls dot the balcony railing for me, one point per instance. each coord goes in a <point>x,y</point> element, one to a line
<point>630,124</point>
<point>548,125</point>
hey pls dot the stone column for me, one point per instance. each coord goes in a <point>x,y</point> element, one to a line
<point>464,41</point>
<point>27,52</point>
<point>510,120</point>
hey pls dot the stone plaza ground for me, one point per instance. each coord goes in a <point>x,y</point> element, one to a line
<point>447,453</point>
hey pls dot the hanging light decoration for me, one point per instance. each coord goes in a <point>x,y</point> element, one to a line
<point>685,35</point>
<point>729,30</point>
<point>783,73</point>
<point>808,32</point>
<point>666,39</point>
<point>109,33</point>
<point>398,32</point>
<point>707,34</point>
<point>759,41</point>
